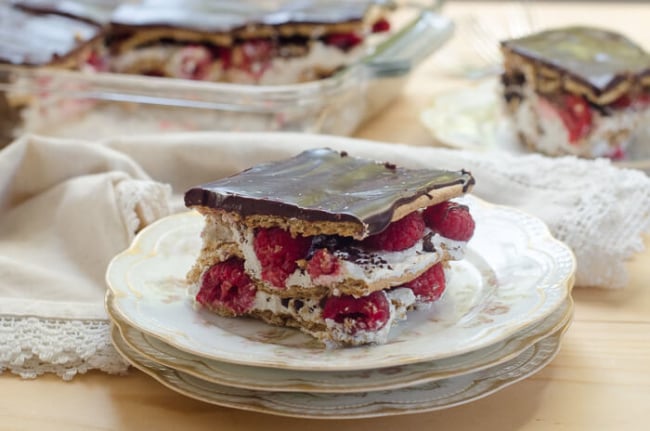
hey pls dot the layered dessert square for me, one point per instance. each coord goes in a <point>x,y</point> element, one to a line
<point>41,34</point>
<point>337,246</point>
<point>241,43</point>
<point>284,42</point>
<point>36,34</point>
<point>576,90</point>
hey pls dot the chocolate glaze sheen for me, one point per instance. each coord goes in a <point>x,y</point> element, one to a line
<point>325,185</point>
<point>39,39</point>
<point>318,12</point>
<point>174,15</point>
<point>216,16</point>
<point>597,57</point>
<point>94,11</point>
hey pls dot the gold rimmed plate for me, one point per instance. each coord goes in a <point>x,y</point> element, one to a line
<point>436,395</point>
<point>284,380</point>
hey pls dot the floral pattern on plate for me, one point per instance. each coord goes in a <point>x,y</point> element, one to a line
<point>431,396</point>
<point>284,380</point>
<point>514,275</point>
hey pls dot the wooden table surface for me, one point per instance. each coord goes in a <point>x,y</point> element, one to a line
<point>599,381</point>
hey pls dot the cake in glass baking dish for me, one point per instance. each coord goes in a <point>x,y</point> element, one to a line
<point>245,43</point>
<point>37,33</point>
<point>576,90</point>
<point>338,246</point>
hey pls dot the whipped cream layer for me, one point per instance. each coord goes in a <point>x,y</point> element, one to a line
<point>382,271</point>
<point>196,62</point>
<point>376,269</point>
<point>400,301</point>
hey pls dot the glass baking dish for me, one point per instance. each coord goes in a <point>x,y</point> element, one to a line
<point>93,105</point>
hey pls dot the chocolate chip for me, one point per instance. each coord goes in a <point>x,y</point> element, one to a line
<point>427,243</point>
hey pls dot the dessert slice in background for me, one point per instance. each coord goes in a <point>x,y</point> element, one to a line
<point>576,90</point>
<point>35,34</point>
<point>93,11</point>
<point>337,246</point>
<point>239,43</point>
<point>36,37</point>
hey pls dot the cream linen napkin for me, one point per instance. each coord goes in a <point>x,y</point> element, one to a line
<point>67,206</point>
<point>65,209</point>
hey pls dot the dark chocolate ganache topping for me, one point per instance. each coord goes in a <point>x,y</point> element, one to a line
<point>224,16</point>
<point>597,57</point>
<point>94,11</point>
<point>318,12</point>
<point>193,15</point>
<point>325,185</point>
<point>36,39</point>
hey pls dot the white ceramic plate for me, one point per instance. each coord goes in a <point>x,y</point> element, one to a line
<point>436,395</point>
<point>471,118</point>
<point>515,274</point>
<point>280,380</point>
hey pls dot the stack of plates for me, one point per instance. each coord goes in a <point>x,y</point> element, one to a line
<point>501,319</point>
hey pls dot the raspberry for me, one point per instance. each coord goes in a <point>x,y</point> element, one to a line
<point>430,285</point>
<point>616,153</point>
<point>399,235</point>
<point>192,62</point>
<point>96,62</point>
<point>380,26</point>
<point>323,263</point>
<point>343,41</point>
<point>256,56</point>
<point>368,313</point>
<point>226,285</point>
<point>278,252</point>
<point>576,116</point>
<point>451,220</point>
<point>639,101</point>
<point>625,101</point>
<point>225,55</point>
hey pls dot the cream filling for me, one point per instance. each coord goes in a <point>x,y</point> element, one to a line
<point>289,70</point>
<point>377,266</point>
<point>412,260</point>
<point>400,301</point>
<point>177,61</point>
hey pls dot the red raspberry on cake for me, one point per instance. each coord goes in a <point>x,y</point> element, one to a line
<point>430,285</point>
<point>344,41</point>
<point>576,116</point>
<point>382,25</point>
<point>278,253</point>
<point>399,235</point>
<point>368,313</point>
<point>226,286</point>
<point>192,62</point>
<point>451,220</point>
<point>323,263</point>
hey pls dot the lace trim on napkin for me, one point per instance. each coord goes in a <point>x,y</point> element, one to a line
<point>603,224</point>
<point>142,202</point>
<point>31,346</point>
